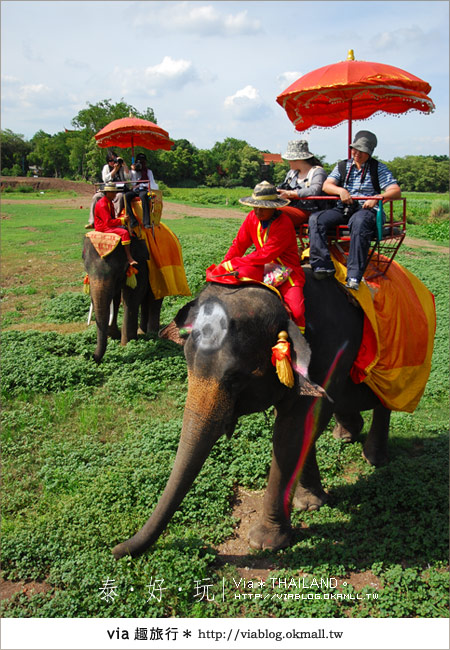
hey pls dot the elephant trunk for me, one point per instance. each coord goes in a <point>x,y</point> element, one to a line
<point>101,299</point>
<point>206,417</point>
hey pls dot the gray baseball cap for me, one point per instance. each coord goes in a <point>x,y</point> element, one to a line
<point>365,141</point>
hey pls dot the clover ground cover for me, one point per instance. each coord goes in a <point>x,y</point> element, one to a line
<point>87,451</point>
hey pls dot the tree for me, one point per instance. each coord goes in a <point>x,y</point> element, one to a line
<point>240,162</point>
<point>51,153</point>
<point>83,159</point>
<point>421,173</point>
<point>15,150</point>
<point>98,115</point>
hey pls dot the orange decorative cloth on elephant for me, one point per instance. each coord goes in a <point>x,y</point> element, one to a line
<point>166,269</point>
<point>166,272</point>
<point>398,336</point>
<point>103,242</point>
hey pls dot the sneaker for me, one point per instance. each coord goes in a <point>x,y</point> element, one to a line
<point>352,283</point>
<point>321,274</point>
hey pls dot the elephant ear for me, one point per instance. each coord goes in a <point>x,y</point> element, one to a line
<point>181,326</point>
<point>301,355</point>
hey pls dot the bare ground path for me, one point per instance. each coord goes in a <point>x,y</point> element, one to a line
<point>171,210</point>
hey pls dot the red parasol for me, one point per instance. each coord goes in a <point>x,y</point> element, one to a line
<point>352,90</point>
<point>133,131</point>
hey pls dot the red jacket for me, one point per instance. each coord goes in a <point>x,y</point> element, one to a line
<point>105,216</point>
<point>276,243</point>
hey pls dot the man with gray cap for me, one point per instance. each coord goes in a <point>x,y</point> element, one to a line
<point>361,175</point>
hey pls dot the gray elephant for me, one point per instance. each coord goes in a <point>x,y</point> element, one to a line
<point>107,280</point>
<point>228,333</point>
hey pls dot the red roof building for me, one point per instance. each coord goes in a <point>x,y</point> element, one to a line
<point>272,158</point>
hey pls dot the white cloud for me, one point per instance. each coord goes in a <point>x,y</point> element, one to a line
<point>9,79</point>
<point>25,95</point>
<point>285,79</point>
<point>192,113</point>
<point>30,53</point>
<point>410,36</point>
<point>170,74</point>
<point>204,20</point>
<point>35,98</point>
<point>246,104</point>
<point>169,69</point>
<point>78,65</point>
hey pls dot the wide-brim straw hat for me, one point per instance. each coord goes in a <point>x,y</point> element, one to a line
<point>110,187</point>
<point>297,150</point>
<point>264,196</point>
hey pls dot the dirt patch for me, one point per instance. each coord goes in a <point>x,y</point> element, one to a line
<point>8,589</point>
<point>85,192</point>
<point>42,184</point>
<point>426,245</point>
<point>361,580</point>
<point>178,211</point>
<point>235,550</point>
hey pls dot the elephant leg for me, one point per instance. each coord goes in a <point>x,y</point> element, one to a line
<point>375,449</point>
<point>309,493</point>
<point>150,313</point>
<point>348,426</point>
<point>132,300</point>
<point>130,316</point>
<point>274,530</point>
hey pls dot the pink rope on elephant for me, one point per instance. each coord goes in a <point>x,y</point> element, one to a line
<point>309,436</point>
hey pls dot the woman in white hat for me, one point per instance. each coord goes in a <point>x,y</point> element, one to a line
<point>272,233</point>
<point>305,178</point>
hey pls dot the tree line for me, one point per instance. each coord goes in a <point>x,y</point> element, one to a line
<point>74,154</point>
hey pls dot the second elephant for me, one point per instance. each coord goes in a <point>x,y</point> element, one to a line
<point>107,280</point>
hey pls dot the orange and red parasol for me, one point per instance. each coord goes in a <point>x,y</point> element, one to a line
<point>133,131</point>
<point>352,90</point>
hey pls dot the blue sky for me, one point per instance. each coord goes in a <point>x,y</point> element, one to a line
<point>213,69</point>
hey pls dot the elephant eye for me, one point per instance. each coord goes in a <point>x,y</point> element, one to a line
<point>235,381</point>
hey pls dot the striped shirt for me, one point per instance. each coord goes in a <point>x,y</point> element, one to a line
<point>358,181</point>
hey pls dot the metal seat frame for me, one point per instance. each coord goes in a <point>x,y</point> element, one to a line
<point>382,251</point>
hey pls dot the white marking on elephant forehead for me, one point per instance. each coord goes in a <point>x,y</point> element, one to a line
<point>210,327</point>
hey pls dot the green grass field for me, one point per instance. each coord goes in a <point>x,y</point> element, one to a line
<point>87,451</point>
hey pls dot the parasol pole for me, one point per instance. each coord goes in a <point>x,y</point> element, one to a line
<point>350,57</point>
<point>350,127</point>
<point>130,114</point>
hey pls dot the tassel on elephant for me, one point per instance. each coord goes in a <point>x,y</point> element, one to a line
<point>228,334</point>
<point>107,280</point>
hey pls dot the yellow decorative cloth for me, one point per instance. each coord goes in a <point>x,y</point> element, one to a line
<point>155,203</point>
<point>165,266</point>
<point>401,317</point>
<point>167,276</point>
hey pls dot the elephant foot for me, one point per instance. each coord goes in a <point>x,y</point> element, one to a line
<point>114,332</point>
<point>263,537</point>
<point>308,500</point>
<point>375,457</point>
<point>350,430</point>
